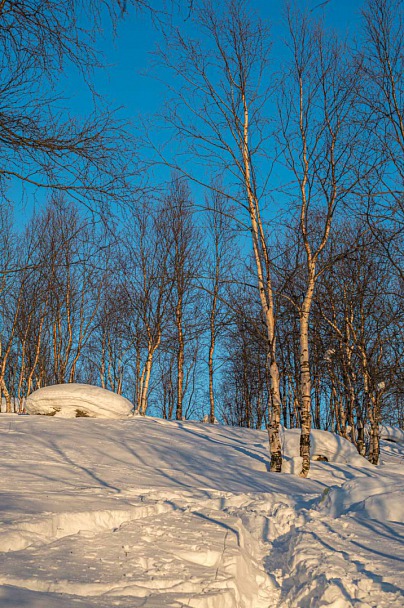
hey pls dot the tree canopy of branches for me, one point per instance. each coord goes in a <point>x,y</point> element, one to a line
<point>42,142</point>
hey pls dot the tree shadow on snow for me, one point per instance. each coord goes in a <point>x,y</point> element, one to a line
<point>67,459</point>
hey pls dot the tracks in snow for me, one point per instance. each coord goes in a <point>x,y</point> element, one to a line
<point>209,553</point>
<point>212,550</point>
<point>324,561</point>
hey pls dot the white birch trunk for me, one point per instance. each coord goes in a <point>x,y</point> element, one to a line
<point>266,298</point>
<point>305,380</point>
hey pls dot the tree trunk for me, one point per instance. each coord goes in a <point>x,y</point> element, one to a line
<point>275,420</point>
<point>262,264</point>
<point>374,443</point>
<point>360,443</point>
<point>305,380</point>
<point>6,395</point>
<point>146,376</point>
<point>146,382</point>
<point>211,353</point>
<point>180,360</point>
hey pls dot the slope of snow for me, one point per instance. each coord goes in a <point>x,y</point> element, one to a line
<point>151,513</point>
<point>78,400</point>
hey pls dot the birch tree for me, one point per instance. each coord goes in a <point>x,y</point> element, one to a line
<point>8,262</point>
<point>62,290</point>
<point>245,386</point>
<point>364,314</point>
<point>185,251</point>
<point>316,108</point>
<point>149,286</point>
<point>218,113</point>
<point>219,266</point>
<point>382,57</point>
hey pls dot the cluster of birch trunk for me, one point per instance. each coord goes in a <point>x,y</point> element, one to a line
<point>262,283</point>
<point>161,307</point>
<point>323,130</point>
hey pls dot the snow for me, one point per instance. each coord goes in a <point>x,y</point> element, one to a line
<point>391,433</point>
<point>334,447</point>
<point>152,513</point>
<point>375,497</point>
<point>78,400</point>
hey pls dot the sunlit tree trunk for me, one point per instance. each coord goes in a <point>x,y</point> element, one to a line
<point>180,358</point>
<point>212,327</point>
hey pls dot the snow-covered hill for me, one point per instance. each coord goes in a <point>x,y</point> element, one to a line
<point>151,513</point>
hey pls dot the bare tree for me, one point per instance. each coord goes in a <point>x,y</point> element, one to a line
<point>148,285</point>
<point>8,261</point>
<point>364,314</point>
<point>60,290</point>
<point>185,252</point>
<point>382,59</point>
<point>319,135</point>
<point>219,266</point>
<point>245,386</point>
<point>114,342</point>
<point>43,144</point>
<point>218,113</point>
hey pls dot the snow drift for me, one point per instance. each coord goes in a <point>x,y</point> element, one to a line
<point>334,447</point>
<point>391,433</point>
<point>379,497</point>
<point>78,400</point>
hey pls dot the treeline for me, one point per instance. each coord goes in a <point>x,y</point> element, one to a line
<point>161,307</point>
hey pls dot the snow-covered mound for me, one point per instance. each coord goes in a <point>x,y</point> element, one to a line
<point>334,447</point>
<point>78,400</point>
<point>377,497</point>
<point>392,433</point>
<point>380,498</point>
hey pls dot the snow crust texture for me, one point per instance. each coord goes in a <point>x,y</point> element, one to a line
<point>151,513</point>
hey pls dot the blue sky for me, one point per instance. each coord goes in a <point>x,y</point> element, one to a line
<point>129,80</point>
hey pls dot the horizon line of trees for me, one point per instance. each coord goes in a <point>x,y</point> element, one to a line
<point>162,310</point>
